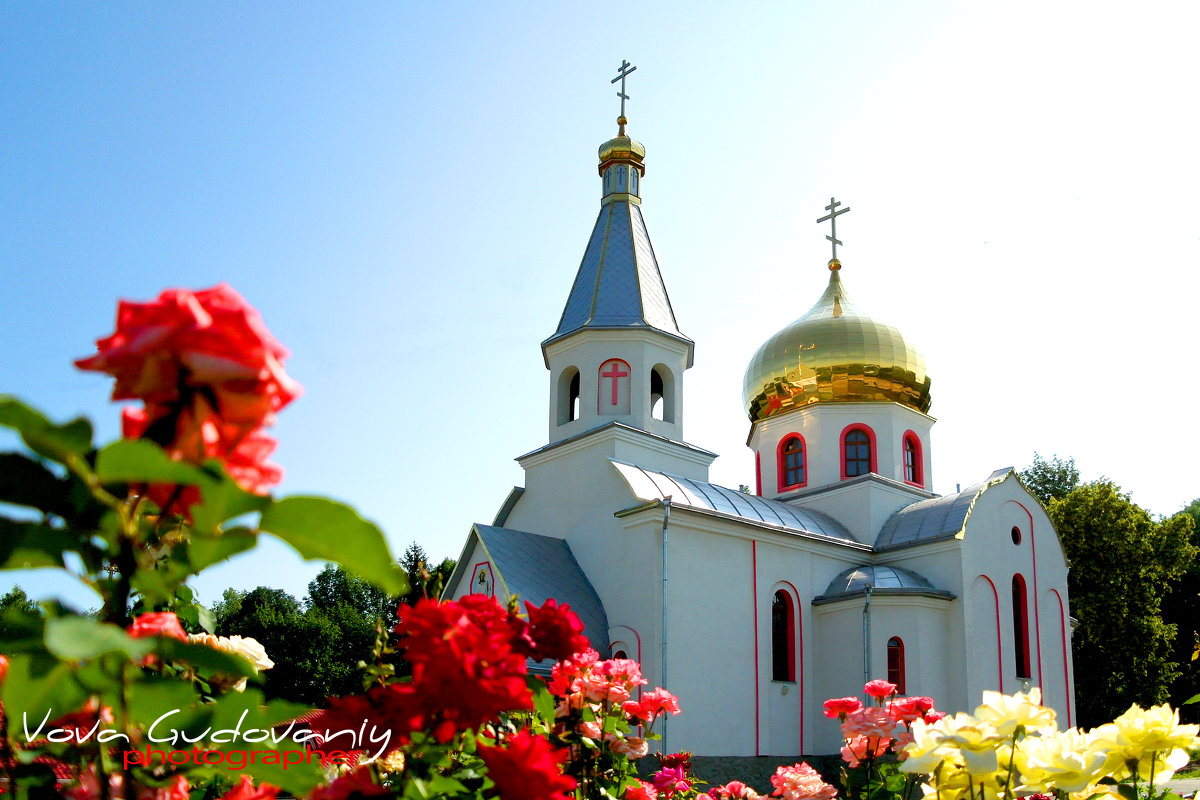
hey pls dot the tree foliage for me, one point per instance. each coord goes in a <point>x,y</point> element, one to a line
<point>1121,559</point>
<point>14,607</point>
<point>1181,608</point>
<point>317,642</point>
<point>1050,480</point>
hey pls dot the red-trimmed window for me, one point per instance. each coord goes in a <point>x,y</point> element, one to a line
<point>895,663</point>
<point>792,467</point>
<point>913,462</point>
<point>783,637</point>
<point>858,451</point>
<point>1020,606</point>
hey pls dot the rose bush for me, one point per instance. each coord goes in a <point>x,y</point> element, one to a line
<point>187,487</point>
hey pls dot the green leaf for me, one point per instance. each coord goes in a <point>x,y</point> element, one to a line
<point>319,528</point>
<point>25,481</point>
<point>1191,700</point>
<point>24,545</point>
<point>204,551</point>
<point>543,701</point>
<point>1127,791</point>
<point>56,442</point>
<point>140,461</point>
<point>206,660</point>
<point>223,499</point>
<point>80,638</point>
<point>153,697</point>
<point>37,686</point>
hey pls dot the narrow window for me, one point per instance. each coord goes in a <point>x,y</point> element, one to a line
<point>895,663</point>
<point>568,396</point>
<point>1020,608</point>
<point>912,459</point>
<point>656,394</point>
<point>662,393</point>
<point>791,463</point>
<point>857,451</point>
<point>783,638</point>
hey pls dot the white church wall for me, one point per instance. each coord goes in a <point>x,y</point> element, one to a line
<point>1008,534</point>
<point>837,667</point>
<point>711,652</point>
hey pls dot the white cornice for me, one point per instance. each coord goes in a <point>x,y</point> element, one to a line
<point>614,432</point>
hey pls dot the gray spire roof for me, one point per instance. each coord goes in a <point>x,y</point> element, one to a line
<point>618,284</point>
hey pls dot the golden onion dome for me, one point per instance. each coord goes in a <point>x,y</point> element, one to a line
<point>622,148</point>
<point>834,354</point>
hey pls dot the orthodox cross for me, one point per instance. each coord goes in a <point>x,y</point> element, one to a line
<point>625,69</point>
<point>832,217</point>
<point>614,372</point>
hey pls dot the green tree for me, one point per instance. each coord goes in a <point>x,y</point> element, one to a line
<point>424,580</point>
<point>1181,608</point>
<point>1053,479</point>
<point>1121,559</point>
<point>14,607</point>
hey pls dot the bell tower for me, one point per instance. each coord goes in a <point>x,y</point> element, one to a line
<point>618,354</point>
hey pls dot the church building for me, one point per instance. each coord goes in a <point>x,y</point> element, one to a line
<point>841,567</point>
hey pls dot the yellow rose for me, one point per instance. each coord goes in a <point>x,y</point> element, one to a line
<point>1065,761</point>
<point>1006,712</point>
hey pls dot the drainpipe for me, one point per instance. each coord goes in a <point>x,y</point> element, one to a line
<point>666,521</point>
<point>867,637</point>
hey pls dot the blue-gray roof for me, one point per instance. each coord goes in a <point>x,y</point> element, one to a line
<point>537,568</point>
<point>937,518</point>
<point>651,486</point>
<point>881,580</point>
<point>618,284</point>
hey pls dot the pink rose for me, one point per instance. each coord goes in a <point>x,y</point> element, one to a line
<point>670,780</point>
<point>641,791</point>
<point>880,689</point>
<point>933,716</point>
<point>632,747</point>
<point>841,706</point>
<point>801,782</point>
<point>870,722</point>
<point>860,748</point>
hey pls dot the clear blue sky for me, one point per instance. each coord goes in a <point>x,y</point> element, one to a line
<point>404,190</point>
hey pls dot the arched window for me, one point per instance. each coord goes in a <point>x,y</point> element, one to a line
<point>858,451</point>
<point>1020,607</point>
<point>662,393</point>
<point>791,463</point>
<point>895,663</point>
<point>783,637</point>
<point>568,395</point>
<point>913,462</point>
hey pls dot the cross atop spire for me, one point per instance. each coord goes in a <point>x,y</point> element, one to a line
<point>832,216</point>
<point>625,69</point>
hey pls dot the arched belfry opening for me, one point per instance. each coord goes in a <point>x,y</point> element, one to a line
<point>662,393</point>
<point>568,395</point>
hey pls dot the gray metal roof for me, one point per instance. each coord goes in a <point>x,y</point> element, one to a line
<point>618,284</point>
<point>937,518</point>
<point>649,485</point>
<point>537,568</point>
<point>881,580</point>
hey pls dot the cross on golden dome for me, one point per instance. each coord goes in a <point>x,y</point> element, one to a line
<point>832,216</point>
<point>625,69</point>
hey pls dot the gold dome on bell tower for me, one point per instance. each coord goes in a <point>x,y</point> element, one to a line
<point>834,354</point>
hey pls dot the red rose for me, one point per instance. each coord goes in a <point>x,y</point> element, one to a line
<point>880,689</point>
<point>557,632</point>
<point>840,706</point>
<point>3,668</point>
<point>527,768</point>
<point>246,790</point>
<point>465,668</point>
<point>908,709</point>
<point>210,375</point>
<point>394,707</point>
<point>157,623</point>
<point>211,337</point>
